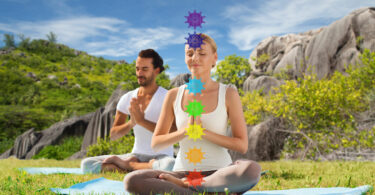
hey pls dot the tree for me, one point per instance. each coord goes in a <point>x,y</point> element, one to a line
<point>52,37</point>
<point>9,40</point>
<point>25,41</point>
<point>233,70</point>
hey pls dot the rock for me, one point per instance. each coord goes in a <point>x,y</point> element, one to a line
<point>102,120</point>
<point>180,79</point>
<point>32,76</point>
<point>52,77</point>
<point>64,82</point>
<point>322,51</point>
<point>77,86</point>
<point>263,82</point>
<point>121,62</point>
<point>265,141</point>
<point>30,143</point>
<point>78,155</point>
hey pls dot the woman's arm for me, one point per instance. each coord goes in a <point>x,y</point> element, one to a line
<point>239,140</point>
<point>162,136</point>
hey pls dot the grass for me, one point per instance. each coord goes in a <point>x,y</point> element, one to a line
<point>280,175</point>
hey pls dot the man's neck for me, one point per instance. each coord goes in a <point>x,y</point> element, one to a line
<point>148,90</point>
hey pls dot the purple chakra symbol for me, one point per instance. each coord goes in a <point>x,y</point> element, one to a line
<point>195,19</point>
<point>194,40</point>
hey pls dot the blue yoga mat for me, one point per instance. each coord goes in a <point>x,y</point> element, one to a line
<point>51,170</point>
<point>102,185</point>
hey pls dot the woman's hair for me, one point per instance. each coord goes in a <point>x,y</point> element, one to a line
<point>210,41</point>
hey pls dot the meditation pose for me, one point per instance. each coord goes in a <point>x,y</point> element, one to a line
<point>207,155</point>
<point>143,105</point>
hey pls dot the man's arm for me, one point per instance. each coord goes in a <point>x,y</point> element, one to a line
<point>121,126</point>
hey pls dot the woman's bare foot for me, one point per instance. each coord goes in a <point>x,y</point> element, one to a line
<point>124,164</point>
<point>173,179</point>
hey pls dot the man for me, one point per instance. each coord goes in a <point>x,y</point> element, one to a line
<point>143,106</point>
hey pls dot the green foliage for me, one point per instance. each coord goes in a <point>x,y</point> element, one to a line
<point>321,111</point>
<point>9,40</point>
<point>233,70</point>
<point>106,146</point>
<point>44,82</point>
<point>67,148</point>
<point>52,37</point>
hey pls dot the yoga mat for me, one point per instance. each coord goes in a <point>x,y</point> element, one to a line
<point>51,170</point>
<point>97,186</point>
<point>102,185</point>
<point>314,191</point>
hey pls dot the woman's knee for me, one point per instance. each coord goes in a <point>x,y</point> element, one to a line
<point>133,181</point>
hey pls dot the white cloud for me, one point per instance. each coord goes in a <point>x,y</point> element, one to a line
<point>251,24</point>
<point>99,35</point>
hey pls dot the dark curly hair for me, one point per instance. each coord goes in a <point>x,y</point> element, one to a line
<point>157,61</point>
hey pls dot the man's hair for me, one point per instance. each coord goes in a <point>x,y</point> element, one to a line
<point>157,61</point>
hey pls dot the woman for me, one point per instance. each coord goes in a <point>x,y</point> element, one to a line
<point>220,104</point>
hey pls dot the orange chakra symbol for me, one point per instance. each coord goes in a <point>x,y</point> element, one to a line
<point>195,155</point>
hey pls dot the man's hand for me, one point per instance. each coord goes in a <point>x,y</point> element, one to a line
<point>137,115</point>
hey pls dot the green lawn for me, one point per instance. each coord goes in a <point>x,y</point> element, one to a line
<point>281,175</point>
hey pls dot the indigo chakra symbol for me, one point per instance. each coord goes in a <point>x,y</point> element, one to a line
<point>194,40</point>
<point>195,19</point>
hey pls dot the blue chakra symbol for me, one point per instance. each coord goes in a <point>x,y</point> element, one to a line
<point>195,86</point>
<point>195,19</point>
<point>194,40</point>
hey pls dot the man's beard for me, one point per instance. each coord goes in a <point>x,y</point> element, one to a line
<point>146,82</point>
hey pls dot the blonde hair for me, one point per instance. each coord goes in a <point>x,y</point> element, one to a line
<point>210,41</point>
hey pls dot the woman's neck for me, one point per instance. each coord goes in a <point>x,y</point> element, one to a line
<point>206,79</point>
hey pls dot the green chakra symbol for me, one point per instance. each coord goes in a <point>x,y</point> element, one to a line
<point>195,108</point>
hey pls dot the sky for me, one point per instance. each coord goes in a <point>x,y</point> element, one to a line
<point>119,29</point>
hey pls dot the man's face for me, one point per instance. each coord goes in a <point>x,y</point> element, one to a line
<point>145,71</point>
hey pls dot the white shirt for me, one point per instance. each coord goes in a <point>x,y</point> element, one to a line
<point>142,143</point>
<point>214,156</point>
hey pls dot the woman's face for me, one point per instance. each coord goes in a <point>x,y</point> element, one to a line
<point>200,60</point>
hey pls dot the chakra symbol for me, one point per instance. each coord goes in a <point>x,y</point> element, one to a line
<point>194,40</point>
<point>195,178</point>
<point>195,108</point>
<point>195,155</point>
<point>195,131</point>
<point>195,86</point>
<point>195,19</point>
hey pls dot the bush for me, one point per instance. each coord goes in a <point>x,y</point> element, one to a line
<point>322,112</point>
<point>105,146</point>
<point>233,70</point>
<point>67,148</point>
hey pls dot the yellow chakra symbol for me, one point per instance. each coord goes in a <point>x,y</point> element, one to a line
<point>195,131</point>
<point>195,155</point>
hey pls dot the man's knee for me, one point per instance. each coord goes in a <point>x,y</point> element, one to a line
<point>164,164</point>
<point>90,165</point>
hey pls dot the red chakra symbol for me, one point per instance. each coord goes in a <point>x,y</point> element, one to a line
<point>195,19</point>
<point>195,178</point>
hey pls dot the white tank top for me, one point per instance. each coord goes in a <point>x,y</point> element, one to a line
<point>215,156</point>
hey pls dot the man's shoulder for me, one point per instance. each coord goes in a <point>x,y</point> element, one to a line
<point>129,93</point>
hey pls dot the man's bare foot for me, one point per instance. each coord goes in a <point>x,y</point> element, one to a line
<point>111,159</point>
<point>173,179</point>
<point>151,162</point>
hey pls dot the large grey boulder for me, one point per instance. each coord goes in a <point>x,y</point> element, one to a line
<point>264,83</point>
<point>30,143</point>
<point>266,141</point>
<point>322,51</point>
<point>102,120</point>
<point>180,79</point>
